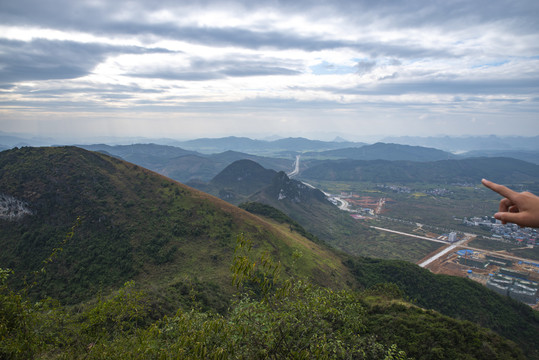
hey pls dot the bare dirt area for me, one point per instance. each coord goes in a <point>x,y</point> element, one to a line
<point>447,265</point>
<point>429,255</point>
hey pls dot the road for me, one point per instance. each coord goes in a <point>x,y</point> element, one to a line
<point>437,255</point>
<point>442,253</point>
<point>411,235</point>
<point>344,205</point>
<point>296,167</point>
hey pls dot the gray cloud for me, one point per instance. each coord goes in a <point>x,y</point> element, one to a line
<point>389,77</point>
<point>201,69</point>
<point>365,66</point>
<point>81,16</point>
<point>415,13</point>
<point>482,53</point>
<point>518,86</point>
<point>50,59</point>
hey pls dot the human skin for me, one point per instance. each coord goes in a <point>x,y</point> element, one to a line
<point>518,208</point>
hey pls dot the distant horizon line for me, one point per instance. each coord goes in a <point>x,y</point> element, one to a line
<point>52,139</point>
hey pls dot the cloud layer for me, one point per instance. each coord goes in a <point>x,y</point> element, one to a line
<point>216,68</point>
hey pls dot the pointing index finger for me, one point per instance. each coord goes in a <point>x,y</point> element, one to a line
<point>500,189</point>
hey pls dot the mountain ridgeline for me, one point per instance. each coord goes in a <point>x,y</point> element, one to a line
<point>183,165</point>
<point>383,151</point>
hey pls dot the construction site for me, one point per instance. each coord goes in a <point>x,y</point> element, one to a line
<point>507,275</point>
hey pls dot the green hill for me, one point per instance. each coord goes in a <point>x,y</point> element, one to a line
<point>456,297</point>
<point>135,225</point>
<point>502,170</point>
<point>383,151</point>
<point>243,177</point>
<point>530,156</point>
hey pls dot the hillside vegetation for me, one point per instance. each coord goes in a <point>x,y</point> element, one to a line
<point>135,224</point>
<point>456,297</point>
<point>272,318</point>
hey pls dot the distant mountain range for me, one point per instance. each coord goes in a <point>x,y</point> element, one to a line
<point>183,165</point>
<point>470,143</point>
<point>471,170</point>
<point>188,166</point>
<point>275,147</point>
<point>383,151</point>
<point>522,148</point>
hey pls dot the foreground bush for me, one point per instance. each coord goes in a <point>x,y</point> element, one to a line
<point>272,318</point>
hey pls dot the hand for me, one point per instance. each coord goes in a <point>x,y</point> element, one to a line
<point>519,208</point>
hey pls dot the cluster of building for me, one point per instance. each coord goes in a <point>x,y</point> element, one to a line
<point>438,192</point>
<point>508,232</point>
<point>514,284</point>
<point>407,190</point>
<point>505,281</point>
<point>396,188</point>
<point>465,184</point>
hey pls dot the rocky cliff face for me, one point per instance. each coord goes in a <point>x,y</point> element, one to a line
<point>13,209</point>
<point>285,188</point>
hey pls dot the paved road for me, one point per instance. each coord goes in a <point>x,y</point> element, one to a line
<point>296,167</point>
<point>411,235</point>
<point>441,253</point>
<point>435,256</point>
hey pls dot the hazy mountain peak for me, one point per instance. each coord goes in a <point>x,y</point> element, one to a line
<point>244,177</point>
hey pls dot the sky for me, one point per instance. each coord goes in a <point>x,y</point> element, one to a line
<point>317,69</point>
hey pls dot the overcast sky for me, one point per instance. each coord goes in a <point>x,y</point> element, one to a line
<point>259,68</point>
